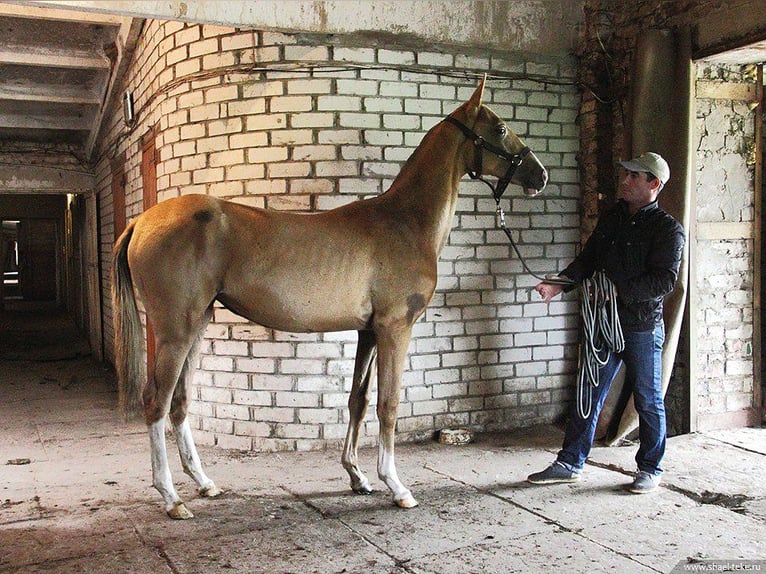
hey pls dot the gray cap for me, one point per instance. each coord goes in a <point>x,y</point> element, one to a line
<point>649,162</point>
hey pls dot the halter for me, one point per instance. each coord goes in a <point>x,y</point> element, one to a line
<point>497,191</point>
<point>515,159</point>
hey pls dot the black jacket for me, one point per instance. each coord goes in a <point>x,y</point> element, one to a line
<point>640,254</point>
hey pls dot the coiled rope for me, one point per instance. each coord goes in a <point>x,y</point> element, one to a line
<point>602,334</point>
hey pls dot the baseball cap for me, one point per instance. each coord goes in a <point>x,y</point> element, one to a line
<point>649,162</point>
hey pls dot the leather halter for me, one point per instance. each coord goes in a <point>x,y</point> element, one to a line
<point>515,159</point>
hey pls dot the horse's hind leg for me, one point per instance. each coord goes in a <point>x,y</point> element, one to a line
<point>187,450</point>
<point>171,354</point>
<point>191,462</point>
<point>358,401</point>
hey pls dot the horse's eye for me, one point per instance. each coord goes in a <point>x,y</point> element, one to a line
<point>501,130</point>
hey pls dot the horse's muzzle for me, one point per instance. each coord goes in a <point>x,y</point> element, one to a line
<point>537,184</point>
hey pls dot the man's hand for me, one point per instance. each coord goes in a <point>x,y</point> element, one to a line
<point>548,290</point>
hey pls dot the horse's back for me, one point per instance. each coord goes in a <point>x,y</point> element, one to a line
<point>293,271</point>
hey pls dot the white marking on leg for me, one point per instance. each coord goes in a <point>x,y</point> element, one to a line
<point>191,462</point>
<point>387,473</point>
<point>161,478</point>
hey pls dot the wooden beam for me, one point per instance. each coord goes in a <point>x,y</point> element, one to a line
<point>43,179</point>
<point>53,59</point>
<point>37,13</point>
<point>127,38</point>
<point>47,93</point>
<point>735,25</point>
<point>43,122</point>
<point>720,231</point>
<point>757,251</point>
<point>32,206</point>
<point>727,91</point>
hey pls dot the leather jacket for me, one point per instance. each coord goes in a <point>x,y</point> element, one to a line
<point>641,254</point>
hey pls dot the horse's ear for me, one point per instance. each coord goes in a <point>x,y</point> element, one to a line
<point>475,102</point>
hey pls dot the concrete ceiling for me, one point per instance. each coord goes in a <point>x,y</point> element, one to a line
<point>58,69</point>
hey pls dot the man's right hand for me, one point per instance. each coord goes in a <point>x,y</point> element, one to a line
<point>548,290</point>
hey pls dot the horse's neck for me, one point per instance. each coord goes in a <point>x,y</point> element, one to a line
<point>425,191</point>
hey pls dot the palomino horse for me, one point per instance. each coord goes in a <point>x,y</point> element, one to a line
<point>370,266</point>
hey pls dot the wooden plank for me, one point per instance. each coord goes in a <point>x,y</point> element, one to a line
<point>40,122</point>
<point>39,13</point>
<point>47,93</point>
<point>727,91</point>
<point>42,179</point>
<point>725,230</point>
<point>54,59</point>
<point>734,25</point>
<point>92,286</point>
<point>129,33</point>
<point>757,251</point>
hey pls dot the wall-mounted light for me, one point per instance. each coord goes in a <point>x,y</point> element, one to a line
<point>128,113</point>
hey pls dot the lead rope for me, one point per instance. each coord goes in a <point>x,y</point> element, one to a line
<point>602,334</point>
<point>501,224</point>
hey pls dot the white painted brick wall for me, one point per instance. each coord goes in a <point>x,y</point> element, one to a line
<point>724,266</point>
<point>486,354</point>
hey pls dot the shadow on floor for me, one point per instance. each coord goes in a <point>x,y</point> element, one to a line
<point>39,332</point>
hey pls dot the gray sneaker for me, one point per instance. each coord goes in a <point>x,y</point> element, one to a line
<point>644,482</point>
<point>554,474</point>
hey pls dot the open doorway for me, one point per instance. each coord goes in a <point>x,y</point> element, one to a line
<point>31,257</point>
<point>726,276</point>
<point>9,261</point>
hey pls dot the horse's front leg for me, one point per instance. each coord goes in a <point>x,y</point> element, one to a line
<point>358,401</point>
<point>392,351</point>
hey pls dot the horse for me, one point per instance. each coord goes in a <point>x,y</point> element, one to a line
<point>369,266</point>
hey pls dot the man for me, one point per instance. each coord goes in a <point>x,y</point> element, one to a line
<point>639,246</point>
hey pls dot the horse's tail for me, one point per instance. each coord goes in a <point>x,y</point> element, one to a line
<point>128,332</point>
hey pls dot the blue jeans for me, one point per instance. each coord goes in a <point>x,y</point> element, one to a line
<point>643,375</point>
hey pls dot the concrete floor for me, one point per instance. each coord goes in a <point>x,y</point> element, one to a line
<point>75,496</point>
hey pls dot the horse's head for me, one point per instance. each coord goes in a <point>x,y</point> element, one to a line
<point>497,150</point>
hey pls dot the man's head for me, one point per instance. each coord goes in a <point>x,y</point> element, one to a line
<point>653,164</point>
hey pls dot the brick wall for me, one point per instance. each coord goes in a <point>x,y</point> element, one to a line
<point>287,122</point>
<point>725,220</point>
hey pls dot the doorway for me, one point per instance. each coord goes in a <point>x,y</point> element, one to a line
<point>9,260</point>
<point>31,251</point>
<point>725,283</point>
<point>49,262</point>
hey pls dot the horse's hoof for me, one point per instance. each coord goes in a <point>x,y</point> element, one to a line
<point>363,489</point>
<point>210,491</point>
<point>407,501</point>
<point>361,485</point>
<point>180,512</point>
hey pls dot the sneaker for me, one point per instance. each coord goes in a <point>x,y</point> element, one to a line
<point>644,482</point>
<point>554,474</point>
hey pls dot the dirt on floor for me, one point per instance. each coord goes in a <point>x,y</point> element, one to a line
<point>76,494</point>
